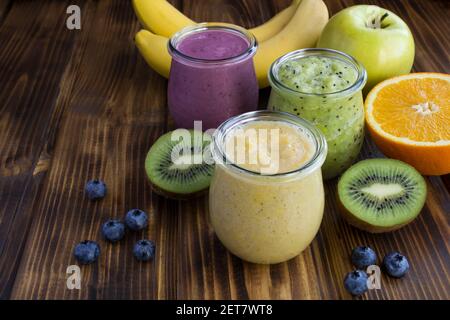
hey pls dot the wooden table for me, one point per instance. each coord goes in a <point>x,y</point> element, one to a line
<point>76,105</point>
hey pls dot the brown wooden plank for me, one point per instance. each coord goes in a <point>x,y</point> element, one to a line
<point>109,109</point>
<point>446,180</point>
<point>244,13</point>
<point>33,56</point>
<point>114,111</point>
<point>5,6</point>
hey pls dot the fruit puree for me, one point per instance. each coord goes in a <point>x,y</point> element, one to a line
<point>317,75</point>
<point>213,45</point>
<point>287,149</point>
<point>212,75</point>
<point>268,218</point>
<point>326,90</point>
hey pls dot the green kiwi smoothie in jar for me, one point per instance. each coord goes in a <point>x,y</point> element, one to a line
<point>323,86</point>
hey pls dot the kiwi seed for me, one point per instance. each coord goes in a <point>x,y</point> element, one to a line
<point>182,179</point>
<point>380,195</point>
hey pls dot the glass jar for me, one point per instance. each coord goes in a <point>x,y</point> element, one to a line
<point>338,114</point>
<point>212,76</point>
<point>266,218</point>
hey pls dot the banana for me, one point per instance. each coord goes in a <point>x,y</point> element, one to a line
<point>160,17</point>
<point>302,31</point>
<point>154,50</point>
<point>270,28</point>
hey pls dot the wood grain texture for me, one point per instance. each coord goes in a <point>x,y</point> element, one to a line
<point>5,6</point>
<point>32,62</point>
<point>78,105</point>
<point>114,111</point>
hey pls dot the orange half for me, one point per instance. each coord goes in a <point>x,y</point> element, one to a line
<point>408,117</point>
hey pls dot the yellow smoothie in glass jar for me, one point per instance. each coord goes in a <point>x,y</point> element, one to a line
<point>266,195</point>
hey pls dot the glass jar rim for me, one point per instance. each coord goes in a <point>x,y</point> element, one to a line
<point>314,133</point>
<point>318,52</point>
<point>201,27</point>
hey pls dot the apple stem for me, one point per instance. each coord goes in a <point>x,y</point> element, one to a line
<point>384,16</point>
<point>376,23</point>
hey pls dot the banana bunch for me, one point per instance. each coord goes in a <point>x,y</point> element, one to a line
<point>298,26</point>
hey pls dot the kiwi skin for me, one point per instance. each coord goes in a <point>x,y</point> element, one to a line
<point>176,196</point>
<point>362,225</point>
<point>365,226</point>
<point>162,191</point>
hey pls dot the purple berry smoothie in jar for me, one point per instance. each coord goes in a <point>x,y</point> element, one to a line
<point>212,76</point>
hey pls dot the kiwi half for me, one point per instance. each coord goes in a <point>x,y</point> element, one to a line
<point>172,168</point>
<point>380,195</point>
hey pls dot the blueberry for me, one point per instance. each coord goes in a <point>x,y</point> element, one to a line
<point>86,252</point>
<point>362,257</point>
<point>136,219</point>
<point>144,250</point>
<point>95,189</point>
<point>355,282</point>
<point>395,264</point>
<point>113,230</point>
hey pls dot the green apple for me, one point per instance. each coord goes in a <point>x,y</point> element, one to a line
<point>374,36</point>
